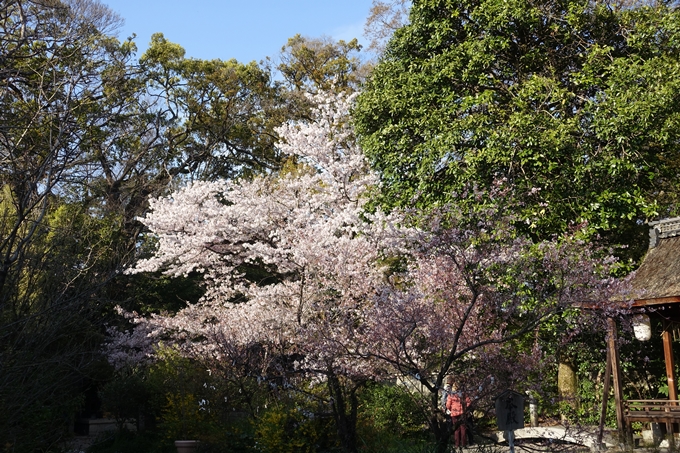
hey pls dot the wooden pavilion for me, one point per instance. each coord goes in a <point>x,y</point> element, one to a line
<point>656,292</point>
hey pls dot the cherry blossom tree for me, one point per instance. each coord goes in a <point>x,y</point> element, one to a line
<point>317,253</point>
<point>302,281</point>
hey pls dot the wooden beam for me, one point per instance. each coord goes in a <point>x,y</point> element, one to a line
<point>656,301</point>
<point>616,375</point>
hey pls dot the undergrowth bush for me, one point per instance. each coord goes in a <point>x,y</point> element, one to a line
<point>293,429</point>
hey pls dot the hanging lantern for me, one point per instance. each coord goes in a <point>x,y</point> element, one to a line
<point>642,327</point>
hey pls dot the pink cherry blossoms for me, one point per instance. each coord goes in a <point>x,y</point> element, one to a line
<point>351,293</point>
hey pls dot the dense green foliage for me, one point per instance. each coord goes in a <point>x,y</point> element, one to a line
<point>321,64</point>
<point>188,402</point>
<point>391,410</point>
<point>574,102</point>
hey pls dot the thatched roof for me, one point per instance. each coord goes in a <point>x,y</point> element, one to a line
<point>658,278</point>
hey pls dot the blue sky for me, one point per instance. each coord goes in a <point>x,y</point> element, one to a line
<point>243,29</point>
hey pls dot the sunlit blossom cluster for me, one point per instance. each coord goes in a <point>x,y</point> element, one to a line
<point>305,226</point>
<point>348,291</point>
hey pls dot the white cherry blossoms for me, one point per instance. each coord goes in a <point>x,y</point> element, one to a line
<point>305,226</point>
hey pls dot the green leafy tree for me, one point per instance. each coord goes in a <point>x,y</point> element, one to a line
<point>49,91</point>
<point>309,64</point>
<point>87,133</point>
<point>219,115</point>
<point>52,56</point>
<point>49,317</point>
<point>576,103</point>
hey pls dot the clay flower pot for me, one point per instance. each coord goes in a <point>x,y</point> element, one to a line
<point>186,446</point>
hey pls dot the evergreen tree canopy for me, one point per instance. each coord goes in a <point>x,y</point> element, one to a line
<point>575,103</point>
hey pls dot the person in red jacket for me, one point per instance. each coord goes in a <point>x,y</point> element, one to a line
<point>458,405</point>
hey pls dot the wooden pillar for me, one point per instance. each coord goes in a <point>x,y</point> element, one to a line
<point>670,371</point>
<point>670,361</point>
<point>605,399</point>
<point>616,375</point>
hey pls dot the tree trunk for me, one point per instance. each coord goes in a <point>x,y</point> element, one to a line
<point>567,385</point>
<point>440,424</point>
<point>345,418</point>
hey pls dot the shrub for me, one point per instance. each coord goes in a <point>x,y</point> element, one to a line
<point>285,430</point>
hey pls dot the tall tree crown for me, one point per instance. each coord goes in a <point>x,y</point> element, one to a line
<point>575,103</point>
